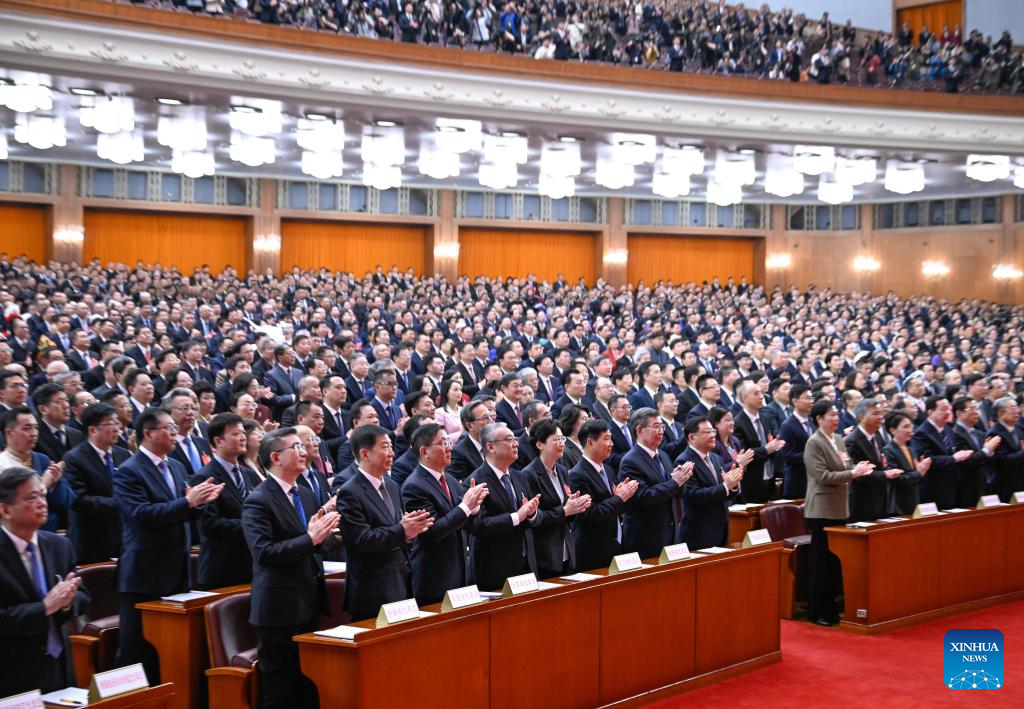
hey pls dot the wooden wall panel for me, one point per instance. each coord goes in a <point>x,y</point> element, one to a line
<point>183,240</point>
<point>23,231</point>
<point>519,252</point>
<point>355,247</point>
<point>683,259</point>
<point>936,15</point>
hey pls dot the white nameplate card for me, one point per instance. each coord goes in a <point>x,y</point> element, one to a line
<point>755,537</point>
<point>989,501</point>
<point>455,598</point>
<point>28,700</point>
<point>625,562</point>
<point>342,632</point>
<point>515,585</point>
<point>105,685</point>
<point>1018,498</point>
<point>397,612</point>
<point>674,552</point>
<point>925,509</point>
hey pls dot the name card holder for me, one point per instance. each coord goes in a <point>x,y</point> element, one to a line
<point>625,562</point>
<point>1018,498</point>
<point>987,501</point>
<point>455,598</point>
<point>925,509</point>
<point>674,552</point>
<point>26,700</point>
<point>516,585</point>
<point>755,537</point>
<point>105,685</point>
<point>397,612</point>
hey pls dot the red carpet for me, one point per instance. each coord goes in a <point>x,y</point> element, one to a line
<point>831,668</point>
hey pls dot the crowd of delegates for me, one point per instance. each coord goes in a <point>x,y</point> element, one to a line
<point>455,431</point>
<point>679,36</point>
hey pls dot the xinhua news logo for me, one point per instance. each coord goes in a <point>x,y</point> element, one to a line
<point>974,659</point>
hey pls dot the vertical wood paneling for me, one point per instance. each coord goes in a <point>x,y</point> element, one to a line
<point>683,259</point>
<point>936,15</point>
<point>23,231</point>
<point>517,253</point>
<point>355,247</point>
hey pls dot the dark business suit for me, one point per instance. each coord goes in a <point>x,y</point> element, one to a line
<point>939,485</point>
<point>154,560</point>
<point>95,519</point>
<point>1008,462</point>
<point>465,459</point>
<point>49,446</point>
<point>794,482</point>
<point>706,503</point>
<point>552,532</point>
<point>403,466</point>
<point>977,472</point>
<point>507,415</point>
<point>24,625</point>
<point>330,434</point>
<point>641,398</point>
<point>324,487</point>
<point>202,451</point>
<point>284,387</point>
<point>755,487</point>
<point>498,548</point>
<point>597,531</point>
<point>905,491</point>
<point>224,558</point>
<point>620,446</point>
<point>357,390</point>
<point>288,590</point>
<point>674,442</point>
<point>438,554</point>
<point>378,569</point>
<point>650,520</point>
<point>869,494</point>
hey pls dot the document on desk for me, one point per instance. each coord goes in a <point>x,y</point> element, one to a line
<point>713,550</point>
<point>183,598</point>
<point>69,697</point>
<point>334,567</point>
<point>546,585</point>
<point>580,577</point>
<point>426,614</point>
<point>342,632</point>
<point>956,509</point>
<point>893,519</point>
<point>861,525</point>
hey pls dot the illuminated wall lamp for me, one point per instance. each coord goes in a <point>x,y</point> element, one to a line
<point>449,250</point>
<point>71,235</point>
<point>1006,272</point>
<point>934,268</point>
<point>778,261</point>
<point>865,264</point>
<point>616,257</point>
<point>267,243</point>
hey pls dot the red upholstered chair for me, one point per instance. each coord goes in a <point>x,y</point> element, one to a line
<point>232,677</point>
<point>785,523</point>
<point>95,632</point>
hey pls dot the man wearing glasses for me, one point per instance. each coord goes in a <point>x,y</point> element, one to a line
<point>709,490</point>
<point>156,508</point>
<point>191,451</point>
<point>467,455</point>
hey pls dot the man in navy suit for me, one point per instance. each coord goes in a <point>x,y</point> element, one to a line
<point>649,374</point>
<point>869,494</point>
<point>467,455</point>
<point>156,508</point>
<point>193,452</point>
<point>283,380</point>
<point>439,554</point>
<point>376,530</point>
<point>933,439</point>
<point>502,541</point>
<point>598,531</point>
<point>758,434</point>
<point>34,607</point>
<point>795,431</point>
<point>385,387</point>
<point>651,516</point>
<point>622,437</point>
<point>1008,458</point>
<point>286,533</point>
<point>507,410</point>
<point>574,388</point>
<point>709,491</point>
<point>90,469</point>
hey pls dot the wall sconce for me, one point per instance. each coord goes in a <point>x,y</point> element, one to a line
<point>934,268</point>
<point>616,257</point>
<point>1006,272</point>
<point>865,264</point>
<point>267,243</point>
<point>778,261</point>
<point>70,235</point>
<point>449,250</point>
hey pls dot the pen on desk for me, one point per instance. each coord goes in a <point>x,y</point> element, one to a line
<point>71,702</point>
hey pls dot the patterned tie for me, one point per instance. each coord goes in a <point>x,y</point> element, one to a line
<point>625,432</point>
<point>61,438</point>
<point>109,460</point>
<point>506,480</point>
<point>168,478</point>
<point>768,468</point>
<point>807,427</point>
<point>297,501</point>
<point>54,646</point>
<point>193,454</point>
<point>314,485</point>
<point>236,474</point>
<point>386,496</point>
<point>341,426</point>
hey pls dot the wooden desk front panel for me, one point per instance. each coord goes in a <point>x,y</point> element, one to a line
<point>646,634</point>
<point>902,573</point>
<point>971,562</point>
<point>1014,549</point>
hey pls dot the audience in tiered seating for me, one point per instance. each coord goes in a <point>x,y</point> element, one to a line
<point>686,36</point>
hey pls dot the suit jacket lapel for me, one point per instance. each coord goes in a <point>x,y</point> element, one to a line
<point>9,556</point>
<point>156,478</point>
<point>285,506</point>
<point>437,490</point>
<point>374,495</point>
<point>545,479</point>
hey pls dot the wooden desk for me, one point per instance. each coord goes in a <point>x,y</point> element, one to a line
<point>158,697</point>
<point>901,573</point>
<point>618,638</point>
<point>745,520</point>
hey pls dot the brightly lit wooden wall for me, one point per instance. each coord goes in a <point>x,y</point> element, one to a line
<point>355,247</point>
<point>519,252</point>
<point>23,231</point>
<point>183,240</point>
<point>935,14</point>
<point>683,259</point>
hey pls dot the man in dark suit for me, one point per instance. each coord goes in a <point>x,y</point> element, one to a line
<point>55,437</point>
<point>502,541</point>
<point>977,472</point>
<point>376,530</point>
<point>674,440</point>
<point>90,468</point>
<point>39,590</point>
<point>334,397</point>
<point>598,531</point>
<point>156,508</point>
<point>315,477</point>
<point>651,517</point>
<point>869,494</point>
<point>142,351</point>
<point>357,383</point>
<point>467,455</point>
<point>193,452</point>
<point>574,385</point>
<point>932,439</point>
<point>223,554</point>
<point>618,426</point>
<point>756,433</point>
<point>708,491</point>
<point>507,409</point>
<point>649,374</point>
<point>795,431</point>
<point>1008,457</point>
<point>23,347</point>
<point>286,532</point>
<point>283,380</point>
<point>439,553</point>
<point>79,357</point>
<point>470,370</point>
<point>389,413</point>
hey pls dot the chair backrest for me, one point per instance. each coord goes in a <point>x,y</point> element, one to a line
<point>228,631</point>
<point>100,580</point>
<point>336,599</point>
<point>783,521</point>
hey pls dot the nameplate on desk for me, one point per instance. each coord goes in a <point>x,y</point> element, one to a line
<point>989,501</point>
<point>674,552</point>
<point>105,685</point>
<point>755,537</point>
<point>523,583</point>
<point>27,700</point>
<point>925,509</point>
<point>397,612</point>
<point>625,562</point>
<point>455,598</point>
<point>1018,498</point>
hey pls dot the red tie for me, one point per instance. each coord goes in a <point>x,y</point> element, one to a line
<point>444,486</point>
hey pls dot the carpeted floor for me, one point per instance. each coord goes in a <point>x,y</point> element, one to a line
<point>835,669</point>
